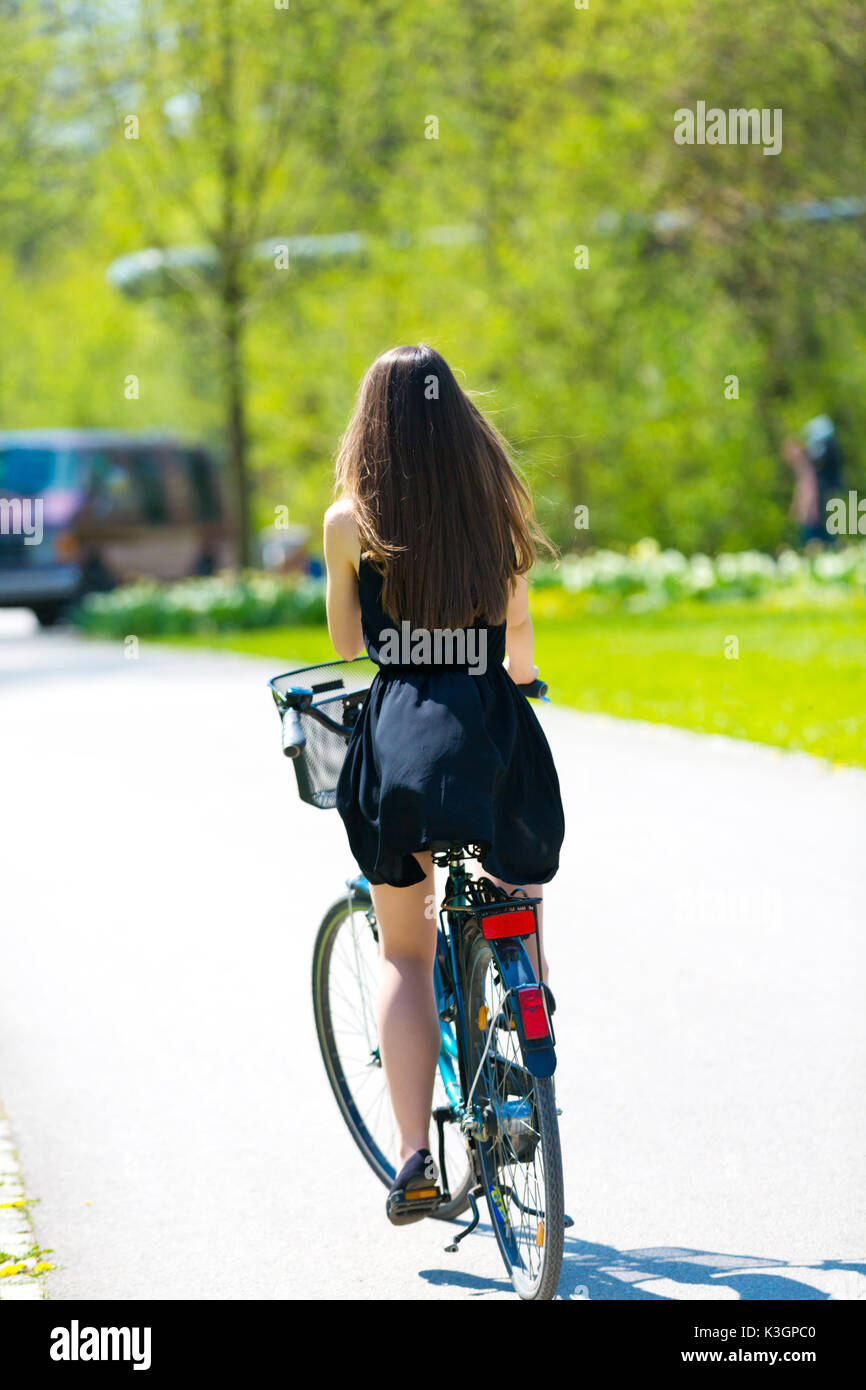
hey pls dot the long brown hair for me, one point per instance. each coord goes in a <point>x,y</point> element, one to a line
<point>440,510</point>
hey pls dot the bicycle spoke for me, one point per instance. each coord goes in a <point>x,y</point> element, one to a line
<point>515,1159</point>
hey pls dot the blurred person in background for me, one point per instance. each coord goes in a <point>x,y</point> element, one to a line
<point>822,447</point>
<point>805,503</point>
<point>816,460</point>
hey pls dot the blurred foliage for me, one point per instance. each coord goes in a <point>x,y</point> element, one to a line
<point>220,603</point>
<point>648,577</point>
<point>644,579</point>
<point>555,130</point>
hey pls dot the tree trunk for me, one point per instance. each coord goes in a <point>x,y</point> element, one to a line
<point>232,290</point>
<point>236,435</point>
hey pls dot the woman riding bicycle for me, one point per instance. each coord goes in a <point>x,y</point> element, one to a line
<point>427,553</point>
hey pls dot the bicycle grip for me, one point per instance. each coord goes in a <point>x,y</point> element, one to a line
<point>294,738</point>
<point>534,690</point>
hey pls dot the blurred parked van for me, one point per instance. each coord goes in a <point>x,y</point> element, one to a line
<point>84,510</point>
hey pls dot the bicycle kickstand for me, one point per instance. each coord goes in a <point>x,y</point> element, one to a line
<point>442,1114</point>
<point>453,1247</point>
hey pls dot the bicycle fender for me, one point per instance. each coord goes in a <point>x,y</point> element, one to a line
<point>538,1050</point>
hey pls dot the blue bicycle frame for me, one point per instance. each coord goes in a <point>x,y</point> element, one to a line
<point>515,970</point>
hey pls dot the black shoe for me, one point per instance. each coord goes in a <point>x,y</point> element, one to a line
<point>414,1193</point>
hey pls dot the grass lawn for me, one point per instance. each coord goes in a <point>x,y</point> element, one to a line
<point>798,682</point>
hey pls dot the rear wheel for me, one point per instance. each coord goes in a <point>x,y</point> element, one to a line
<point>521,1159</point>
<point>345,979</point>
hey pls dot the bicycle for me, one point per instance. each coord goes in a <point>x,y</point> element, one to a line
<point>494,1106</point>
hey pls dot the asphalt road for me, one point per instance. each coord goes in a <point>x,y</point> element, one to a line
<point>158,1061</point>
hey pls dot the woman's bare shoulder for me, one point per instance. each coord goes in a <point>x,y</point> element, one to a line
<point>341,528</point>
<point>341,511</point>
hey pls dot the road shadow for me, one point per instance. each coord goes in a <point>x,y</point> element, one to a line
<point>673,1273</point>
<point>669,1273</point>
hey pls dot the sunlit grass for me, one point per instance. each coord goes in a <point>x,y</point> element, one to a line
<point>798,681</point>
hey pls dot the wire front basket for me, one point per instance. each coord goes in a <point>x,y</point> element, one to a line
<point>328,711</point>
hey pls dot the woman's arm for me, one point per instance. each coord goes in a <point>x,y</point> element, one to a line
<point>342,554</point>
<point>519,637</point>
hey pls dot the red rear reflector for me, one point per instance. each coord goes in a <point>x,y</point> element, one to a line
<point>521,923</point>
<point>532,1013</point>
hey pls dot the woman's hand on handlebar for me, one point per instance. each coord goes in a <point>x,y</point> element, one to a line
<point>534,690</point>
<point>521,675</point>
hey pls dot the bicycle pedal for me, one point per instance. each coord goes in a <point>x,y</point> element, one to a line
<point>413,1204</point>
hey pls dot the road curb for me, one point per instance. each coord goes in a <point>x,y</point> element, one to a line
<point>22,1264</point>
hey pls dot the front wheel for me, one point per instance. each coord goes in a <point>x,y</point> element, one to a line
<point>345,981</point>
<point>520,1158</point>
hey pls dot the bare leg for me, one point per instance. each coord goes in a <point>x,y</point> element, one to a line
<point>532,890</point>
<point>406,1009</point>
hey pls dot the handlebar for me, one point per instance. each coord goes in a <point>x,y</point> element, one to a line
<point>294,738</point>
<point>535,690</point>
<point>298,699</point>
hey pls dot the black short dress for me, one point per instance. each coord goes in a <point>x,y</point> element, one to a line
<point>441,754</point>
